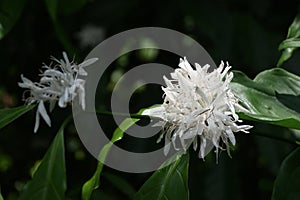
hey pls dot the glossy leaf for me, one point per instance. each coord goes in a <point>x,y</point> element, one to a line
<point>170,182</point>
<point>49,181</point>
<point>7,115</point>
<point>288,180</point>
<point>265,97</point>
<point>94,182</point>
<point>10,11</point>
<point>292,42</point>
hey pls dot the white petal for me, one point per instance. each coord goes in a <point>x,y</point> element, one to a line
<point>54,72</point>
<point>43,112</point>
<point>68,65</point>
<point>185,84</point>
<point>62,102</point>
<point>168,82</point>
<point>88,62</point>
<point>81,94</point>
<point>195,143</point>
<point>230,135</point>
<point>155,112</point>
<point>205,149</point>
<point>45,79</point>
<point>183,144</point>
<point>37,121</point>
<point>173,139</point>
<point>221,67</point>
<point>82,72</point>
<point>26,82</point>
<point>202,95</point>
<point>190,134</point>
<point>167,146</point>
<point>225,70</point>
<point>202,147</point>
<point>160,137</point>
<point>184,64</point>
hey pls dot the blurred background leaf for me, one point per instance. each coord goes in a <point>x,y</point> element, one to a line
<point>55,8</point>
<point>287,183</point>
<point>70,7</point>
<point>65,7</point>
<point>10,11</point>
<point>121,184</point>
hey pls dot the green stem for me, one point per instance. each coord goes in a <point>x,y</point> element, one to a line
<point>136,116</point>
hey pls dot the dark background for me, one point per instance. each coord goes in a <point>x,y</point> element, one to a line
<point>246,34</point>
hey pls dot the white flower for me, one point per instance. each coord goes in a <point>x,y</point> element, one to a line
<point>199,107</point>
<point>59,83</point>
<point>90,35</point>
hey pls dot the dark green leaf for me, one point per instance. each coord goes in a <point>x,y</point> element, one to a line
<point>65,7</point>
<point>291,43</point>
<point>7,115</point>
<point>263,97</point>
<point>94,182</point>
<point>10,11</point>
<point>52,8</point>
<point>68,7</point>
<point>49,181</point>
<point>170,182</point>
<point>121,184</point>
<point>288,180</point>
<point>62,36</point>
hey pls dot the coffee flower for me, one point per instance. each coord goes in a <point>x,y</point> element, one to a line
<point>199,107</point>
<point>60,83</point>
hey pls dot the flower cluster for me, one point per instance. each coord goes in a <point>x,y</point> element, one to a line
<point>58,83</point>
<point>199,107</point>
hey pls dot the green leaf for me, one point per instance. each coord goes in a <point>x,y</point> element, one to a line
<point>49,181</point>
<point>94,182</point>
<point>291,43</point>
<point>1,198</point>
<point>69,7</point>
<point>64,7</point>
<point>288,180</point>
<point>52,8</point>
<point>10,11</point>
<point>121,184</point>
<point>7,115</point>
<point>265,97</point>
<point>170,182</point>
